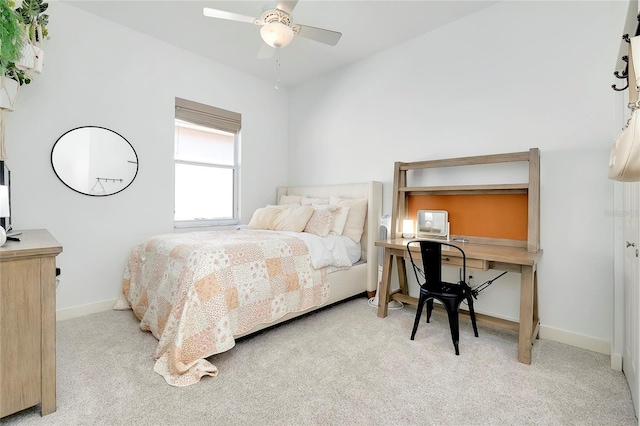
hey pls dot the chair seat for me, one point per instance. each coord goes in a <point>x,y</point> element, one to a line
<point>446,289</point>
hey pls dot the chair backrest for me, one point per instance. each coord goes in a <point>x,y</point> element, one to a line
<point>431,253</point>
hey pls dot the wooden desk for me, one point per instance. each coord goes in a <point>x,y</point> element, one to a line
<point>479,257</point>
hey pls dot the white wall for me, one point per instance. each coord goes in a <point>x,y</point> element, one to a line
<point>99,73</point>
<point>514,76</point>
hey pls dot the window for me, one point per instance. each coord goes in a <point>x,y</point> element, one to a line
<point>206,158</point>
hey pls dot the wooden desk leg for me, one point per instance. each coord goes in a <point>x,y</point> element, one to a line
<point>402,274</point>
<point>536,317</point>
<point>383,291</point>
<point>525,331</point>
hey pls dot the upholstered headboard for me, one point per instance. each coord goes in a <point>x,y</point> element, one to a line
<point>372,191</point>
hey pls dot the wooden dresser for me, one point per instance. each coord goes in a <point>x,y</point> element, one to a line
<point>28,322</point>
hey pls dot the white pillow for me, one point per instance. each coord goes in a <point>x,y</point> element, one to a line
<point>292,219</point>
<point>308,201</point>
<point>290,199</point>
<point>339,220</point>
<point>282,206</point>
<point>281,218</point>
<point>263,218</point>
<point>354,226</point>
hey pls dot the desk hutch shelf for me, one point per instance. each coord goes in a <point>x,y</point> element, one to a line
<point>402,194</point>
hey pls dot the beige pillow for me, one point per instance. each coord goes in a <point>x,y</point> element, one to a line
<point>292,219</point>
<point>308,201</point>
<point>320,223</point>
<point>354,226</point>
<point>282,206</point>
<point>290,199</point>
<point>340,215</point>
<point>263,218</point>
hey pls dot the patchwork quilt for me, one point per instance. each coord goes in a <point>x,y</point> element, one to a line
<point>195,291</point>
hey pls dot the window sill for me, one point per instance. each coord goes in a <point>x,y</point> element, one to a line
<point>223,225</point>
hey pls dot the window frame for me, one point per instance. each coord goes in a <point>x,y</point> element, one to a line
<point>195,223</point>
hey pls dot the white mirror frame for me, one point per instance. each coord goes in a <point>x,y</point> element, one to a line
<point>432,223</point>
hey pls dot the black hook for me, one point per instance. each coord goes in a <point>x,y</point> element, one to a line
<point>625,73</point>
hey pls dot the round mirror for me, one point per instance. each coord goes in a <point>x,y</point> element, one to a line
<point>94,161</point>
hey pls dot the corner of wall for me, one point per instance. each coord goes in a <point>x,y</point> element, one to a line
<point>616,360</point>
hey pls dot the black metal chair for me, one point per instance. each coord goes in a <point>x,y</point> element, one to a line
<point>432,287</point>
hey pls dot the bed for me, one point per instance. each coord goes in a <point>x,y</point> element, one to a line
<point>197,292</point>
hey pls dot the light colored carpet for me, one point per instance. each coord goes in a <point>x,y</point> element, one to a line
<point>340,366</point>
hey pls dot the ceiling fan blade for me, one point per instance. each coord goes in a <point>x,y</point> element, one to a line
<point>286,5</point>
<point>265,52</point>
<point>223,14</point>
<point>319,34</point>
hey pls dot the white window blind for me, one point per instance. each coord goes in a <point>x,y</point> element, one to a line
<point>208,116</point>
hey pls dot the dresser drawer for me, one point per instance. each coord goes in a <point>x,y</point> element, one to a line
<point>480,264</point>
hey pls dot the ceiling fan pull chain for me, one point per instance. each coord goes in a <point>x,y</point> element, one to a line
<point>278,68</point>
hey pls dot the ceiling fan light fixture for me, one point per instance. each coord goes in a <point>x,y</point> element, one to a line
<point>276,34</point>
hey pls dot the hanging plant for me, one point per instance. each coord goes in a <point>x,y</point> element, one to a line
<point>32,14</point>
<point>34,21</point>
<point>11,35</point>
<point>15,73</point>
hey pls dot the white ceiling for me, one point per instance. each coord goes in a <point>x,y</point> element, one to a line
<point>367,27</point>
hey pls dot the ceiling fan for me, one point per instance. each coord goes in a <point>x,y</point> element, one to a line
<point>277,26</point>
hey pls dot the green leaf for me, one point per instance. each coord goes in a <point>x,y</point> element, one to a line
<point>11,35</point>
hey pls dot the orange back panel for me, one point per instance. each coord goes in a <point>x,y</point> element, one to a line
<point>480,215</point>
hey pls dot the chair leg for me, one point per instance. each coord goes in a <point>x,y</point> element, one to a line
<point>421,301</point>
<point>454,325</point>
<point>472,314</point>
<point>429,309</point>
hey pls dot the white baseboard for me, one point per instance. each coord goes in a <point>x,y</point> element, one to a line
<point>566,337</point>
<point>616,360</point>
<point>80,311</point>
<point>584,342</point>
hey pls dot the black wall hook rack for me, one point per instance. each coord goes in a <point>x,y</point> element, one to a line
<point>625,73</point>
<point>622,74</point>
